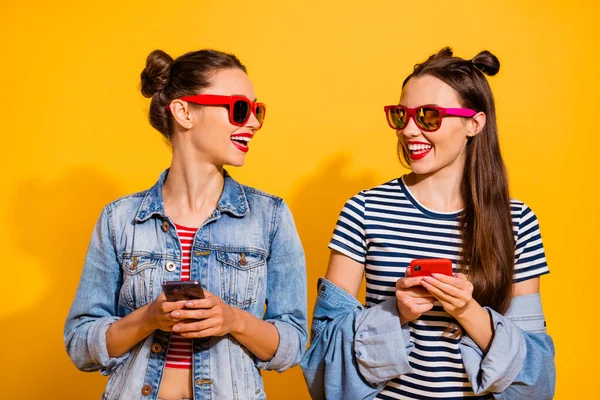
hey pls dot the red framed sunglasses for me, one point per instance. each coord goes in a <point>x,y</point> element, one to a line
<point>239,107</point>
<point>427,118</point>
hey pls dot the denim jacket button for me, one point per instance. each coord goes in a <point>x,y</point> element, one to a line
<point>197,252</point>
<point>170,266</point>
<point>134,264</point>
<point>165,226</point>
<point>156,348</point>
<point>203,382</point>
<point>147,390</point>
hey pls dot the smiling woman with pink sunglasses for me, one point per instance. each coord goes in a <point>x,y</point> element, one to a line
<point>476,333</point>
<point>196,225</point>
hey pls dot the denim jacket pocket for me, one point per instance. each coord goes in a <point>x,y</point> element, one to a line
<point>138,274</point>
<point>241,274</point>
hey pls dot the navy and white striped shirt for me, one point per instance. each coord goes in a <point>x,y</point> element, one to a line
<point>385,228</point>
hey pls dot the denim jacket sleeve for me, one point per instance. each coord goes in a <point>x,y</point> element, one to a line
<point>354,351</point>
<point>286,293</point>
<point>95,305</point>
<point>520,361</point>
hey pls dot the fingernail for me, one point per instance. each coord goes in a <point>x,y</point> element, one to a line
<point>189,304</point>
<point>175,313</point>
<point>436,275</point>
<point>176,328</point>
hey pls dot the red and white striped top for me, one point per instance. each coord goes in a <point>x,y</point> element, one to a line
<point>179,354</point>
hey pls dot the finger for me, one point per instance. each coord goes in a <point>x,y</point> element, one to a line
<point>421,308</point>
<point>195,313</point>
<point>168,306</point>
<point>208,302</point>
<point>203,333</point>
<point>405,283</point>
<point>424,301</point>
<point>460,280</point>
<point>194,326</point>
<point>448,289</point>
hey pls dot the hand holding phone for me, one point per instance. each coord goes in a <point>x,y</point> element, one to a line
<point>428,266</point>
<point>182,290</point>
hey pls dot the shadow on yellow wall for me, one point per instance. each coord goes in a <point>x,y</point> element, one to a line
<point>315,204</point>
<point>52,230</point>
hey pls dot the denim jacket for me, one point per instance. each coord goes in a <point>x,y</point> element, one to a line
<point>248,252</point>
<point>355,351</point>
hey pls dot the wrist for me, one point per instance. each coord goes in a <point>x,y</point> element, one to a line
<point>238,323</point>
<point>469,312</point>
<point>148,324</point>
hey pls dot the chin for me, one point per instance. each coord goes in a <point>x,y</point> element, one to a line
<point>420,169</point>
<point>237,162</point>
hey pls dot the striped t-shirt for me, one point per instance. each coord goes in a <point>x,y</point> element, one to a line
<point>385,228</point>
<point>179,354</point>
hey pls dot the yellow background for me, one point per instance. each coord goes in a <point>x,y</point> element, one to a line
<point>75,136</point>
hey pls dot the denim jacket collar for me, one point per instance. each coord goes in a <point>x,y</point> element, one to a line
<point>233,199</point>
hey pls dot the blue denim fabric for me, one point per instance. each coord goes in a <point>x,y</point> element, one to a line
<point>134,248</point>
<point>354,351</point>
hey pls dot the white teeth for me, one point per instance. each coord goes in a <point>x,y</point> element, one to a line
<point>417,147</point>
<point>241,138</point>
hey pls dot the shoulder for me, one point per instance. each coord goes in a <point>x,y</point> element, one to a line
<point>255,195</point>
<point>127,200</point>
<point>388,189</point>
<point>124,208</point>
<point>521,213</point>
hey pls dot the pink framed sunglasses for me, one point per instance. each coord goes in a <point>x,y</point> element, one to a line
<point>427,118</point>
<point>239,107</point>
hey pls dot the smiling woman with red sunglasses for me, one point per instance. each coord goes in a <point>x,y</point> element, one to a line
<point>195,224</point>
<point>477,333</point>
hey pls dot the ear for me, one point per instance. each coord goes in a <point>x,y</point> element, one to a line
<point>475,124</point>
<point>181,113</point>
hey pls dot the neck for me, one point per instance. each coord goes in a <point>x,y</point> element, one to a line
<point>439,191</point>
<point>192,187</point>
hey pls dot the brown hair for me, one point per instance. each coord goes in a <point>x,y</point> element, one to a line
<point>165,79</point>
<point>488,247</point>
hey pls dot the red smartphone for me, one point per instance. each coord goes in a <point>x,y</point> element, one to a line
<point>182,290</point>
<point>428,266</point>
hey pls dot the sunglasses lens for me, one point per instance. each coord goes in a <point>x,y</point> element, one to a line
<point>428,119</point>
<point>397,117</point>
<point>260,113</point>
<point>241,112</point>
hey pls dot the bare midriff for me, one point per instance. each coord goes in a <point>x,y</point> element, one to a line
<point>176,384</point>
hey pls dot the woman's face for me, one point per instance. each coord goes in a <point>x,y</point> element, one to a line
<point>212,136</point>
<point>441,150</point>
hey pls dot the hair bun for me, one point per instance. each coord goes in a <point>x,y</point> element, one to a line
<point>156,74</point>
<point>446,52</point>
<point>486,62</point>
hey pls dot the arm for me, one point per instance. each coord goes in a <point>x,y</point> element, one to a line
<point>94,308</point>
<point>520,361</point>
<point>128,331</point>
<point>286,294</point>
<point>354,351</point>
<point>499,355</point>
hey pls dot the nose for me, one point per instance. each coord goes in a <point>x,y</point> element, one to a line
<point>411,129</point>
<point>252,122</point>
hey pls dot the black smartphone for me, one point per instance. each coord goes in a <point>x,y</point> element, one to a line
<point>182,290</point>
